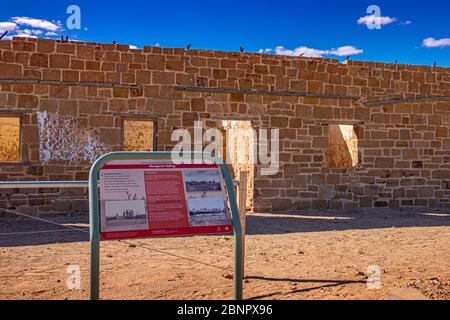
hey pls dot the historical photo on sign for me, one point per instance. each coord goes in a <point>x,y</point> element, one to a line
<point>122,185</point>
<point>203,181</point>
<point>125,215</point>
<point>206,211</point>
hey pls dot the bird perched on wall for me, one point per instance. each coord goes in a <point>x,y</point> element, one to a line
<point>188,47</point>
<point>348,58</point>
<point>242,49</point>
<point>435,64</point>
<point>114,41</point>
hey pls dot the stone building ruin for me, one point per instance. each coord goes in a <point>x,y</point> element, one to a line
<point>352,135</point>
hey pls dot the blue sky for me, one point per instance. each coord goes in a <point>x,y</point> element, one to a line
<point>327,28</point>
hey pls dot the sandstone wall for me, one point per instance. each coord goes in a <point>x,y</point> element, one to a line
<point>403,147</point>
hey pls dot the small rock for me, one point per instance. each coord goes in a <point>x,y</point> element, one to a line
<point>227,275</point>
<point>361,274</point>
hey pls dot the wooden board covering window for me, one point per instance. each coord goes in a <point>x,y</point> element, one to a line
<point>138,135</point>
<point>9,139</point>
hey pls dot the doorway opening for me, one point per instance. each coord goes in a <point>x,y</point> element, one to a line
<point>239,152</point>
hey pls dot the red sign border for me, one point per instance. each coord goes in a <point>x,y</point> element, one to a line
<point>226,229</point>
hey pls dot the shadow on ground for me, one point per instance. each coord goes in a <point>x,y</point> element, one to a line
<point>321,283</point>
<point>301,222</point>
<point>25,232</point>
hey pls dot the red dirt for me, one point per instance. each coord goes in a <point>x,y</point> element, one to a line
<point>301,256</point>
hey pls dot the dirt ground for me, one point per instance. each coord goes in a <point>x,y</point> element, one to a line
<point>288,256</point>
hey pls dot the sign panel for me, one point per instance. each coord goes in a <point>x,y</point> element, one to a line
<point>144,199</point>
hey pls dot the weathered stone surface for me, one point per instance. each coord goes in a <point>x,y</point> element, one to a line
<point>384,163</point>
<point>400,152</point>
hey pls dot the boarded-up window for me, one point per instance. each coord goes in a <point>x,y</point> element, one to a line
<point>138,135</point>
<point>342,150</point>
<point>9,139</point>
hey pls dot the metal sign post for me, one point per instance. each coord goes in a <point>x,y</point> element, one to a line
<point>242,199</point>
<point>94,213</point>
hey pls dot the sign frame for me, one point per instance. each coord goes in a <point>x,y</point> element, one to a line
<point>94,213</point>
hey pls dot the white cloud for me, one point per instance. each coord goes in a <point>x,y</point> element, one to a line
<point>372,19</point>
<point>268,50</point>
<point>7,26</point>
<point>133,46</point>
<point>346,51</point>
<point>436,43</point>
<point>312,52</point>
<point>24,35</point>
<point>30,27</point>
<point>33,32</point>
<point>300,51</point>
<point>37,23</point>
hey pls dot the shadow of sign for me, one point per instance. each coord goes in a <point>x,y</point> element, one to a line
<point>325,283</point>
